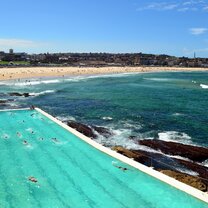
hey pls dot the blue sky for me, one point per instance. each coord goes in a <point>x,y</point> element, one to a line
<point>175,27</point>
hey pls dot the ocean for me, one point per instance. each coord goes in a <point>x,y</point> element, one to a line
<point>170,106</point>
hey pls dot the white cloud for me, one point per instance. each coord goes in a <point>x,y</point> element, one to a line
<point>198,31</point>
<point>191,5</point>
<point>159,6</point>
<point>19,43</point>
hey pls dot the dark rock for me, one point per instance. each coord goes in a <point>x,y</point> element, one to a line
<point>197,154</point>
<point>200,169</point>
<point>139,157</point>
<point>89,131</point>
<point>82,128</point>
<point>3,101</point>
<point>103,131</point>
<point>25,94</point>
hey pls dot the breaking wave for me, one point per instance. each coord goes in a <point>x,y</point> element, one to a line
<point>42,93</point>
<point>29,82</point>
<point>203,86</point>
<point>174,136</point>
<point>159,79</point>
<point>65,118</point>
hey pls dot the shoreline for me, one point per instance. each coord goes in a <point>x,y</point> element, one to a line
<point>37,72</point>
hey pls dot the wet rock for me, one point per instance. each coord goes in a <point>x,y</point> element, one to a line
<point>82,128</point>
<point>103,131</point>
<point>197,154</point>
<point>187,179</point>
<point>25,94</point>
<point>89,131</point>
<point>137,156</point>
<point>200,169</point>
<point>3,101</point>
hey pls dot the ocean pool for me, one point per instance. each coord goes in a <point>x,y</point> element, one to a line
<point>70,172</point>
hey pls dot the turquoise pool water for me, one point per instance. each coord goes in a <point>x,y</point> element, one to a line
<point>69,172</point>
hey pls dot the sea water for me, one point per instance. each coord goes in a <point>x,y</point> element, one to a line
<point>171,106</point>
<point>69,172</point>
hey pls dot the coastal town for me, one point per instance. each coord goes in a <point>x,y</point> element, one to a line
<point>12,58</point>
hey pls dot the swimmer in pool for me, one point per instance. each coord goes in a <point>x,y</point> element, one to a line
<point>55,140</point>
<point>18,134</point>
<point>32,179</point>
<point>25,142</point>
<point>121,168</point>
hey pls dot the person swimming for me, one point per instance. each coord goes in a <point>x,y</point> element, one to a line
<point>32,179</point>
<point>25,142</point>
<point>121,168</point>
<point>55,140</point>
<point>19,134</point>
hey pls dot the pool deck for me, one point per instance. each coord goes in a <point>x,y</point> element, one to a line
<point>203,196</point>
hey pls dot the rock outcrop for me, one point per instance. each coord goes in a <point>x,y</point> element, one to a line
<point>82,128</point>
<point>194,153</point>
<point>25,94</point>
<point>89,131</point>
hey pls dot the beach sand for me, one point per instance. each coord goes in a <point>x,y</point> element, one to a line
<point>31,72</point>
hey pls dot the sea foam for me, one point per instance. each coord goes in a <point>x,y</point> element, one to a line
<point>41,93</point>
<point>175,136</point>
<point>203,86</point>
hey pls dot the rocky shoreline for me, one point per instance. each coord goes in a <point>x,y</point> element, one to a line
<point>180,161</point>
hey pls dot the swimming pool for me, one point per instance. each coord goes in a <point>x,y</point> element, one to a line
<point>70,172</point>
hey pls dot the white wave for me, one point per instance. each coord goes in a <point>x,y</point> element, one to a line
<point>120,138</point>
<point>175,136</point>
<point>65,118</point>
<point>178,157</point>
<point>203,86</point>
<point>131,125</point>
<point>13,104</point>
<point>41,93</point>
<point>86,77</point>
<point>177,114</point>
<point>107,118</point>
<point>205,163</point>
<point>189,172</point>
<point>30,82</point>
<point>159,79</point>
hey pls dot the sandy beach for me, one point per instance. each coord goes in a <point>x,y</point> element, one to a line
<point>30,72</point>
